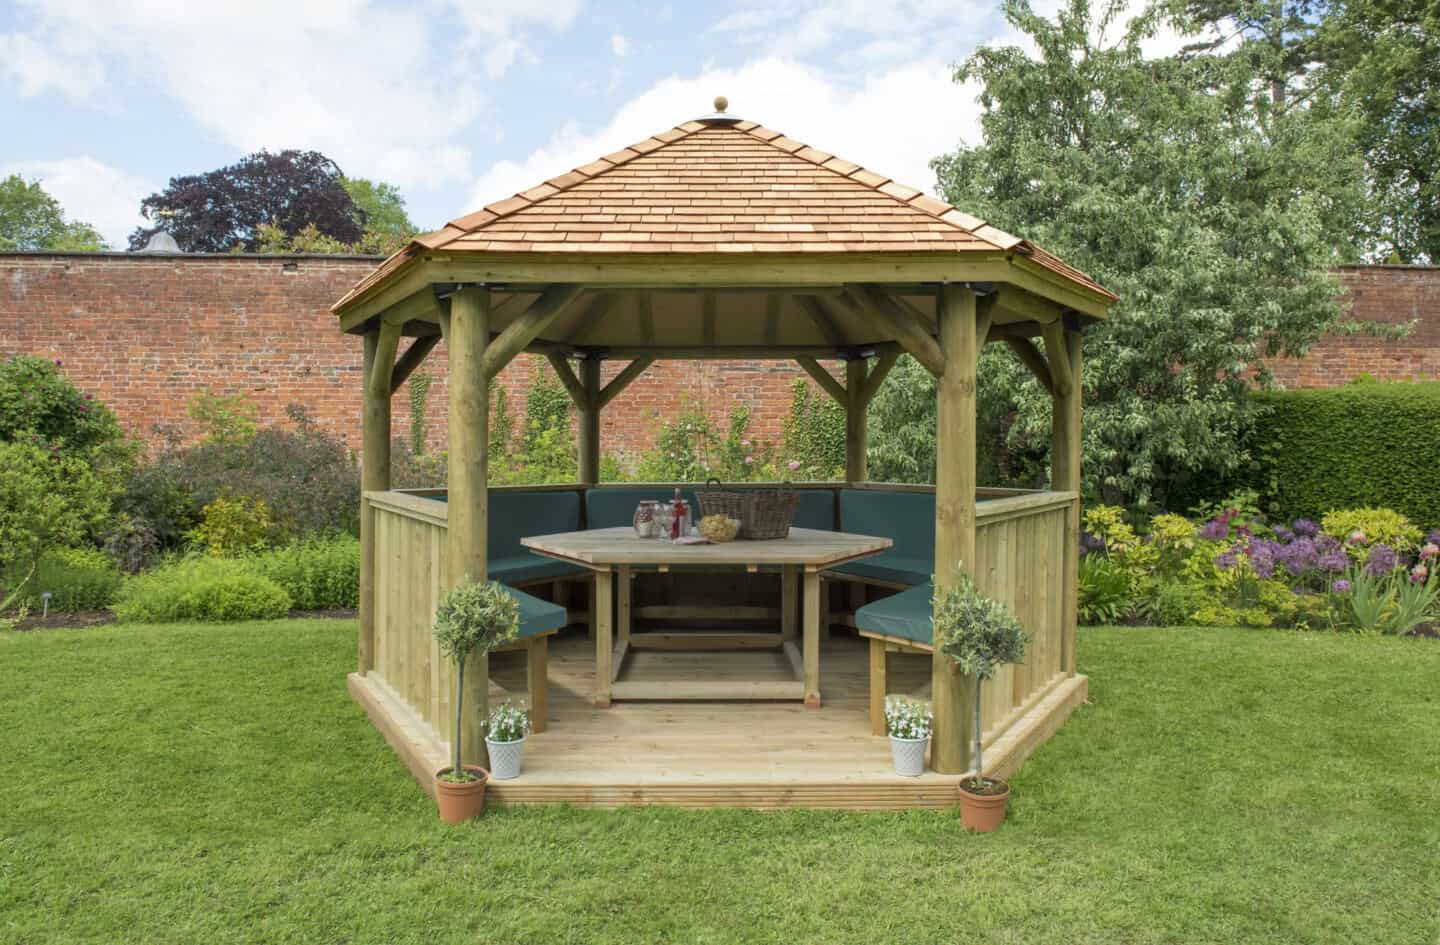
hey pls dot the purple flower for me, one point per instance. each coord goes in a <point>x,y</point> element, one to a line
<point>1284,534</point>
<point>1333,561</point>
<point>1089,542</point>
<point>1226,560</point>
<point>1381,561</point>
<point>1262,557</point>
<point>58,362</point>
<point>1299,556</point>
<point>1434,537</point>
<point>1304,526</point>
<point>1341,586</point>
<point>1215,529</point>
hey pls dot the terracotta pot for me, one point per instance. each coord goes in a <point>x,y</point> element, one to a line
<point>983,812</point>
<point>460,802</point>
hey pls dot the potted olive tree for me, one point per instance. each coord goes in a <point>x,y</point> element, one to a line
<point>980,634</point>
<point>473,618</point>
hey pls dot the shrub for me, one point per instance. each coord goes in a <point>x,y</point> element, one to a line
<point>317,573</point>
<point>201,588</point>
<point>1107,594</point>
<point>1357,446</point>
<point>232,526</point>
<point>1167,603</point>
<point>690,449</point>
<point>75,578</point>
<point>47,500</point>
<point>1375,527</point>
<point>36,400</point>
<point>814,435</point>
<point>155,501</point>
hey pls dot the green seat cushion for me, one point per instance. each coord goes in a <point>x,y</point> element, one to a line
<point>522,569</point>
<point>906,518</point>
<point>907,615</point>
<point>613,506</point>
<point>538,616</point>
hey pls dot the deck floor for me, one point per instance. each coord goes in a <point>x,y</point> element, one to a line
<point>715,754</point>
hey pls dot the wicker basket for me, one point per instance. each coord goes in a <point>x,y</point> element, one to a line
<point>763,513</point>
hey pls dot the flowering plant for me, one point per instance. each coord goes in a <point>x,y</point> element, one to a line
<point>907,718</point>
<point>507,723</point>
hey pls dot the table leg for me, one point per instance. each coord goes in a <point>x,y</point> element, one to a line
<point>604,603</point>
<point>622,607</point>
<point>812,638</point>
<point>789,601</point>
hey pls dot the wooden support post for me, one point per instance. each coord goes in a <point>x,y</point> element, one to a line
<point>855,428</point>
<point>590,422</point>
<point>1065,475</point>
<point>952,694</point>
<point>878,685</point>
<point>537,662</point>
<point>813,632</point>
<point>468,501</point>
<point>603,624</point>
<point>374,477</point>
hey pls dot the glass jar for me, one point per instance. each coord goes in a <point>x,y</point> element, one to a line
<point>644,520</point>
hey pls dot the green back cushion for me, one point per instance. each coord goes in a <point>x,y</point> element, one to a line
<point>906,518</point>
<point>516,515</point>
<point>612,506</point>
<point>816,510</point>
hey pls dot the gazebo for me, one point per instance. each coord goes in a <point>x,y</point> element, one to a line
<point>722,239</point>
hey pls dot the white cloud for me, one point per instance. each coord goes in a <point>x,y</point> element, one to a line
<point>893,122</point>
<point>619,45</point>
<point>372,86</point>
<point>796,28</point>
<point>90,191</point>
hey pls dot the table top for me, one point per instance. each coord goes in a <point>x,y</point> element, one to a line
<point>621,546</point>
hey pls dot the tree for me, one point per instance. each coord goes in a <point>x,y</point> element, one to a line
<point>1179,183</point>
<point>380,206</point>
<point>31,219</point>
<point>224,209</point>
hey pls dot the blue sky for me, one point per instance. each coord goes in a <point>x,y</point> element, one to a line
<point>460,103</point>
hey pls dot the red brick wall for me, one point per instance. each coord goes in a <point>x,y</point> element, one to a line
<point>1388,294</point>
<point>145,334</point>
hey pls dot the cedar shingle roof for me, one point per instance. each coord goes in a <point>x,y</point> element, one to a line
<point>717,188</point>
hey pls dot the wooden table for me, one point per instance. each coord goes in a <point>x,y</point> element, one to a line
<point>615,551</point>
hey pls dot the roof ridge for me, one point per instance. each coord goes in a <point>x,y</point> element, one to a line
<point>902,193</point>
<point>488,214</point>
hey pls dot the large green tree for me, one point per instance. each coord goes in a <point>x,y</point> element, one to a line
<point>31,219</point>
<point>1208,203</point>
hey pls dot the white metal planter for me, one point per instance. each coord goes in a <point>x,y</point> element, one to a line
<point>909,755</point>
<point>505,758</point>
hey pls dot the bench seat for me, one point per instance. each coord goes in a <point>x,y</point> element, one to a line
<point>539,619</point>
<point>902,621</point>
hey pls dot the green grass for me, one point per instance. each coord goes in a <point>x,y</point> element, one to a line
<point>215,784</point>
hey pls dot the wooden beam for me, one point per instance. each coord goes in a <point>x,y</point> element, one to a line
<point>589,425</point>
<point>571,383</point>
<point>824,321</point>
<point>878,372</point>
<point>855,426</point>
<point>413,357</point>
<point>773,304</point>
<point>824,378</point>
<point>620,381</point>
<point>599,307</point>
<point>527,327</point>
<point>952,694</point>
<point>912,334</point>
<point>735,352</point>
<point>1057,359</point>
<point>1031,357</point>
<point>467,505</point>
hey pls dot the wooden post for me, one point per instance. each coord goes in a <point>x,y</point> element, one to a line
<point>468,506</point>
<point>590,422</point>
<point>374,477</point>
<point>952,693</point>
<point>855,431</point>
<point>1065,475</point>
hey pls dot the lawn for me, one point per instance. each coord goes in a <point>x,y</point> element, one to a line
<point>215,784</point>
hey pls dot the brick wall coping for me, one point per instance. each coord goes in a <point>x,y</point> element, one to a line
<point>140,257</point>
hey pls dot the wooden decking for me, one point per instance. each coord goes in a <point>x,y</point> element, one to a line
<point>731,754</point>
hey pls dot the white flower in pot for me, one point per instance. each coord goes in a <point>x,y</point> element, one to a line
<point>505,732</point>
<point>908,722</point>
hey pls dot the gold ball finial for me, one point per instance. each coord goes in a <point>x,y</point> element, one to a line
<point>721,103</point>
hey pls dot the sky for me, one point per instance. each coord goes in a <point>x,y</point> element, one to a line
<point>459,103</point>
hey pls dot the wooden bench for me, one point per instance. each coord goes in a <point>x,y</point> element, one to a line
<point>539,620</point>
<point>900,623</point>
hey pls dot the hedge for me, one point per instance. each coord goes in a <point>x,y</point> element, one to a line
<point>1365,444</point>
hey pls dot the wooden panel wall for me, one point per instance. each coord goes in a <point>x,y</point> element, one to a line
<point>410,580</point>
<point>1020,561</point>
